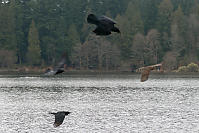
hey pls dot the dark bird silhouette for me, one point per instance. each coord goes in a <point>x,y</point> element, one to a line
<point>104,25</point>
<point>58,69</point>
<point>145,71</point>
<point>59,117</point>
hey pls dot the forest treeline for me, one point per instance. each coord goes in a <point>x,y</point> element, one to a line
<point>38,32</point>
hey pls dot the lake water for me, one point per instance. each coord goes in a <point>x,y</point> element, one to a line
<point>100,104</point>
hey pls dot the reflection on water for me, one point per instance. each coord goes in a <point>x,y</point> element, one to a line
<point>99,104</point>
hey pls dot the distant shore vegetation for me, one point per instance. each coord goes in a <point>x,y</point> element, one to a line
<point>192,67</point>
<point>35,34</point>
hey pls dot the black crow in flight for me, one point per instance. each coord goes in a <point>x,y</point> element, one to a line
<point>58,69</point>
<point>104,25</point>
<point>59,117</point>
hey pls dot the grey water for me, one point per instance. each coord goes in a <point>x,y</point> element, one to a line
<point>100,104</point>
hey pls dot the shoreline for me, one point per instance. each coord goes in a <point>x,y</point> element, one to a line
<point>88,72</point>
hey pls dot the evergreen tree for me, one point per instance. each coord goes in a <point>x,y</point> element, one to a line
<point>130,24</point>
<point>34,52</point>
<point>139,50</point>
<point>73,35</point>
<point>7,26</point>
<point>48,47</point>
<point>165,10</point>
<point>134,18</point>
<point>178,30</point>
<point>178,18</point>
<point>186,5</point>
<point>149,11</point>
<point>62,27</point>
<point>20,34</point>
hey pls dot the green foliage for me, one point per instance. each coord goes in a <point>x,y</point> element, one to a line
<point>33,55</point>
<point>192,67</point>
<point>179,19</point>
<point>130,24</point>
<point>73,34</point>
<point>164,16</point>
<point>73,37</point>
<point>187,5</point>
<point>34,52</point>
<point>182,69</point>
<point>134,20</point>
<point>7,26</point>
<point>48,47</point>
<point>149,12</point>
<point>178,31</point>
<point>61,26</point>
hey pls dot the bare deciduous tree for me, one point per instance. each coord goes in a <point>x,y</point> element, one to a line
<point>7,58</point>
<point>170,61</point>
<point>192,37</point>
<point>153,44</point>
<point>76,56</point>
<point>96,53</point>
<point>139,49</point>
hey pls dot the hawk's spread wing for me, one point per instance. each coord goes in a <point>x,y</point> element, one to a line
<point>145,73</point>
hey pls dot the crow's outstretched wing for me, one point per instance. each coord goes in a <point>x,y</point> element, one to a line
<point>59,118</point>
<point>60,65</point>
<point>49,72</point>
<point>59,68</point>
<point>107,20</point>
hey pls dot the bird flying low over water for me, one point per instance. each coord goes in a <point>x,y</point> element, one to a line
<point>104,24</point>
<point>59,117</point>
<point>58,69</point>
<point>145,71</point>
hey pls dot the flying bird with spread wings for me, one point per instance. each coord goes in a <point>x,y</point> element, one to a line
<point>59,117</point>
<point>105,25</point>
<point>58,69</point>
<point>145,71</point>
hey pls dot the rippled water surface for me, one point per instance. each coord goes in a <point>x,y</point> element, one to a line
<point>100,104</point>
